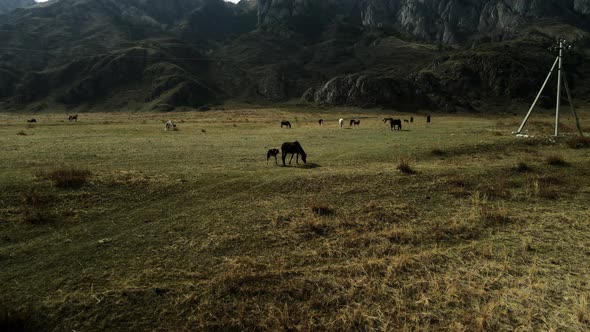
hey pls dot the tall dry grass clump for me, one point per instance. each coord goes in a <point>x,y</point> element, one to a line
<point>36,208</point>
<point>67,177</point>
<point>322,210</point>
<point>522,167</point>
<point>582,309</point>
<point>556,160</point>
<point>578,142</point>
<point>405,167</point>
<point>486,213</point>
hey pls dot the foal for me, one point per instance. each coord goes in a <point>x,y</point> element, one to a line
<point>272,153</point>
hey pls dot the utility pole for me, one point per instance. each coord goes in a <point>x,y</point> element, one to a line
<point>561,45</point>
<point>558,102</point>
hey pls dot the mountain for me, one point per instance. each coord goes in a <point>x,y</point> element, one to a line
<point>151,54</point>
<point>10,5</point>
<point>446,21</point>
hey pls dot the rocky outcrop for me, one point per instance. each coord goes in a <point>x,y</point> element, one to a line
<point>10,5</point>
<point>449,83</point>
<point>423,90</point>
<point>582,6</point>
<point>307,17</point>
<point>444,21</point>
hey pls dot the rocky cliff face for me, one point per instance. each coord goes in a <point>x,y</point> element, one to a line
<point>10,5</point>
<point>582,6</point>
<point>445,21</point>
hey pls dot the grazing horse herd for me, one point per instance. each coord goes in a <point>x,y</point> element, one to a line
<point>295,149</point>
<point>290,148</point>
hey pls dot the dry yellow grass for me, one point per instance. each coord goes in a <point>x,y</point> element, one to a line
<point>191,230</point>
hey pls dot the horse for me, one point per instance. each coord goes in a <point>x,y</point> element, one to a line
<point>411,119</point>
<point>170,124</point>
<point>32,120</point>
<point>394,123</point>
<point>406,121</point>
<point>73,118</point>
<point>355,123</point>
<point>272,153</point>
<point>293,148</point>
<point>286,124</point>
<point>428,119</point>
<point>341,122</point>
<point>321,122</point>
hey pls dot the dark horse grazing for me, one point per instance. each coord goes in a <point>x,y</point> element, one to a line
<point>73,118</point>
<point>32,120</point>
<point>286,124</point>
<point>355,123</point>
<point>272,153</point>
<point>293,148</point>
<point>394,123</point>
<point>321,122</point>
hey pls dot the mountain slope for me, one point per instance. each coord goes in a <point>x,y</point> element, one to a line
<point>444,54</point>
<point>81,51</point>
<point>7,6</point>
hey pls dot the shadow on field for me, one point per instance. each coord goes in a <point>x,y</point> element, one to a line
<point>305,166</point>
<point>310,166</point>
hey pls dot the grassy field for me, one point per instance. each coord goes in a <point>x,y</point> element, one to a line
<point>112,223</point>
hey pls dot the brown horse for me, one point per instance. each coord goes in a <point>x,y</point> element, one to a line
<point>394,123</point>
<point>73,118</point>
<point>293,148</point>
<point>272,153</point>
<point>286,124</point>
<point>32,120</point>
<point>321,122</point>
<point>355,123</point>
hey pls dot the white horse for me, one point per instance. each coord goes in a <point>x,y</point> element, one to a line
<point>169,124</point>
<point>341,122</point>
